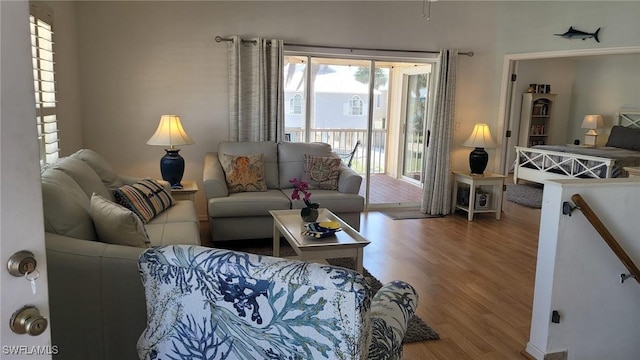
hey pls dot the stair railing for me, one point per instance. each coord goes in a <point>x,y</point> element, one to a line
<point>597,224</point>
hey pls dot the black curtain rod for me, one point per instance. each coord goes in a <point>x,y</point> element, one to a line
<point>468,53</point>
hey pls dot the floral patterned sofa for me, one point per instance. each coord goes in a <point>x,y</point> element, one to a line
<point>205,303</point>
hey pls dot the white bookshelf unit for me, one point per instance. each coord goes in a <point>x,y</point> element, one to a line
<point>535,119</point>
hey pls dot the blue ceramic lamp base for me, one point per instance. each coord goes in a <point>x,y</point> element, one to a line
<point>478,160</point>
<point>172,168</point>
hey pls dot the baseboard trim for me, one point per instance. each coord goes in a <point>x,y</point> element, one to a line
<point>562,355</point>
<point>533,353</point>
<point>526,355</point>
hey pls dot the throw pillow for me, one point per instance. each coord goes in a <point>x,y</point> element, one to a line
<point>624,137</point>
<point>146,198</point>
<point>116,224</point>
<point>244,173</point>
<point>321,172</point>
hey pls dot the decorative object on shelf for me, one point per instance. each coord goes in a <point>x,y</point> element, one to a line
<point>321,229</point>
<point>480,139</point>
<point>539,89</point>
<point>310,212</point>
<point>171,133</point>
<point>482,200</point>
<point>577,34</point>
<point>592,122</point>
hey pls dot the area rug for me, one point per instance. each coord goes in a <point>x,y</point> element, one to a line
<point>529,195</point>
<point>407,213</point>
<point>417,330</point>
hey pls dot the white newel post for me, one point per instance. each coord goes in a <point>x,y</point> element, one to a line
<point>578,275</point>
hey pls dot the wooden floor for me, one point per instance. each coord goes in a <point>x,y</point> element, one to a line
<point>388,190</point>
<point>475,279</point>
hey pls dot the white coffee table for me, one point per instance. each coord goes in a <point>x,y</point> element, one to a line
<point>343,244</point>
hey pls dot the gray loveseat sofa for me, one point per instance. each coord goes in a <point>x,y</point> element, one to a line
<point>245,215</point>
<point>96,298</point>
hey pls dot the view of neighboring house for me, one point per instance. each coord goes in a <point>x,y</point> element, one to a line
<point>339,101</point>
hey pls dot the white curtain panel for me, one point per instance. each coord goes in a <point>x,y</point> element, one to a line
<point>436,195</point>
<point>255,89</point>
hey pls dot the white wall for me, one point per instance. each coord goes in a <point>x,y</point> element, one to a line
<point>578,275</point>
<point>139,60</point>
<point>559,73</point>
<point>603,85</point>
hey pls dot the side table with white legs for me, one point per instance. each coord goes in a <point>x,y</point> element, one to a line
<point>477,193</point>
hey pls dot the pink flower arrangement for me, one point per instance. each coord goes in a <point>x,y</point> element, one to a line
<point>302,187</point>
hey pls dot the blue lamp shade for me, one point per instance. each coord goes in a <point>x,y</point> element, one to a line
<point>480,138</point>
<point>171,133</point>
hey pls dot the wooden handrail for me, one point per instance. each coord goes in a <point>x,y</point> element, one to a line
<point>606,235</point>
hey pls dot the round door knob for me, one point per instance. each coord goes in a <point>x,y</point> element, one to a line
<point>28,320</point>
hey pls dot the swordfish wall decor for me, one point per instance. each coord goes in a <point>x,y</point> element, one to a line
<point>577,34</point>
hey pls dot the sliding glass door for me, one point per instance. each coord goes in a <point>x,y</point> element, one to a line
<point>339,102</point>
<point>415,82</point>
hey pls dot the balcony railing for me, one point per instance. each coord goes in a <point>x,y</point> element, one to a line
<point>413,155</point>
<point>343,140</point>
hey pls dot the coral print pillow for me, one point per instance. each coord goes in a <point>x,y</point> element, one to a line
<point>321,172</point>
<point>244,173</point>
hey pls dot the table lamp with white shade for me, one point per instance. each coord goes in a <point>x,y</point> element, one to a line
<point>592,122</point>
<point>171,133</point>
<point>480,139</point>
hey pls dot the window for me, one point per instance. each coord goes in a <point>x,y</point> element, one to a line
<point>295,104</point>
<point>41,24</point>
<point>355,106</point>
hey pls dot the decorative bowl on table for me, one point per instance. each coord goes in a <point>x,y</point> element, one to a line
<point>321,229</point>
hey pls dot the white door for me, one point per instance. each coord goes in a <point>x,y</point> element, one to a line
<point>21,224</point>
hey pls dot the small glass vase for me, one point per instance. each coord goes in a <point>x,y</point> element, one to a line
<point>309,214</point>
